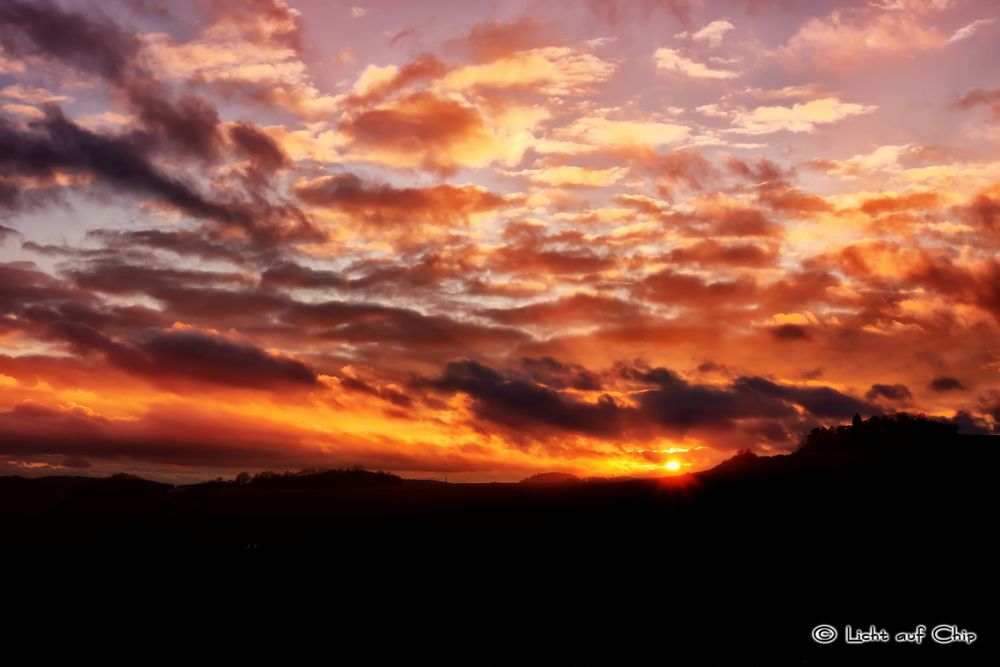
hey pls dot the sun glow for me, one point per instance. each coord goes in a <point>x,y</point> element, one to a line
<point>673,465</point>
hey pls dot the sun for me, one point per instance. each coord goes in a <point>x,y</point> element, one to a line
<point>673,465</point>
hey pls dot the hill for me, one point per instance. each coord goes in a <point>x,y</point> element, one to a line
<point>734,565</point>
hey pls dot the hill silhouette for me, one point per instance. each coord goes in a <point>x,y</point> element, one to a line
<point>551,478</point>
<point>885,521</point>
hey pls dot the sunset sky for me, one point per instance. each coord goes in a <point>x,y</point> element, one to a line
<point>489,239</point>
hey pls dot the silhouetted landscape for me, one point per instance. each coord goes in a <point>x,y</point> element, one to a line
<point>888,521</point>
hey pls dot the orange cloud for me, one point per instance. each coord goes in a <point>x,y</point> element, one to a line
<point>851,38</point>
<point>431,132</point>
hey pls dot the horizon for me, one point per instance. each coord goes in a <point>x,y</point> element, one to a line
<point>607,239</point>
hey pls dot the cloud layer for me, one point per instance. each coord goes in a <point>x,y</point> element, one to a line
<point>592,240</point>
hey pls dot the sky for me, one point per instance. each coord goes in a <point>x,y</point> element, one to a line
<point>485,240</point>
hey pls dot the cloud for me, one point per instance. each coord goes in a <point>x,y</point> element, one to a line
<point>709,252</point>
<point>382,204</point>
<point>492,39</point>
<point>577,309</point>
<point>658,401</point>
<point>251,52</point>
<point>790,332</point>
<point>258,146</point>
<point>849,39</point>
<point>434,133</point>
<point>969,30</point>
<point>550,71</point>
<point>167,435</point>
<point>288,274</point>
<point>32,95</point>
<point>981,97</point>
<point>233,210</point>
<point>181,357</point>
<point>60,144</point>
<point>602,132</point>
<point>670,60</point>
<point>670,287</point>
<point>891,392</point>
<point>945,384</point>
<point>800,117</point>
<point>98,47</point>
<point>711,33</point>
<point>895,203</point>
<point>524,405</point>
<point>535,255</point>
<point>576,176</point>
<point>376,326</point>
<point>91,44</point>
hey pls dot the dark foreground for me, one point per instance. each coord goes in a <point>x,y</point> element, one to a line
<point>731,567</point>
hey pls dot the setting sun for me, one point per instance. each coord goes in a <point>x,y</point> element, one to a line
<point>673,465</point>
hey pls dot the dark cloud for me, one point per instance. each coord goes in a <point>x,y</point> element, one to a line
<point>187,356</point>
<point>782,197</point>
<point>528,250</point>
<point>973,424</point>
<point>113,276</point>
<point>131,338</point>
<point>397,398</point>
<point>57,144</point>
<point>523,405</point>
<point>384,204</point>
<point>659,400</point>
<point>210,298</point>
<point>258,147</point>
<point>668,286</point>
<point>741,222</point>
<point>822,402</point>
<point>680,168</point>
<point>790,332</point>
<point>429,271</point>
<point>945,383</point>
<point>181,242</point>
<point>989,98</point>
<point>94,44</point>
<point>181,126</point>
<point>984,212</point>
<point>892,392</point>
<point>570,310</point>
<point>188,126</point>
<point>160,436</point>
<point>384,326</point>
<point>710,252</point>
<point>289,274</point>
<point>218,360</point>
<point>762,170</point>
<point>23,285</point>
<point>559,375</point>
<point>680,406</point>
